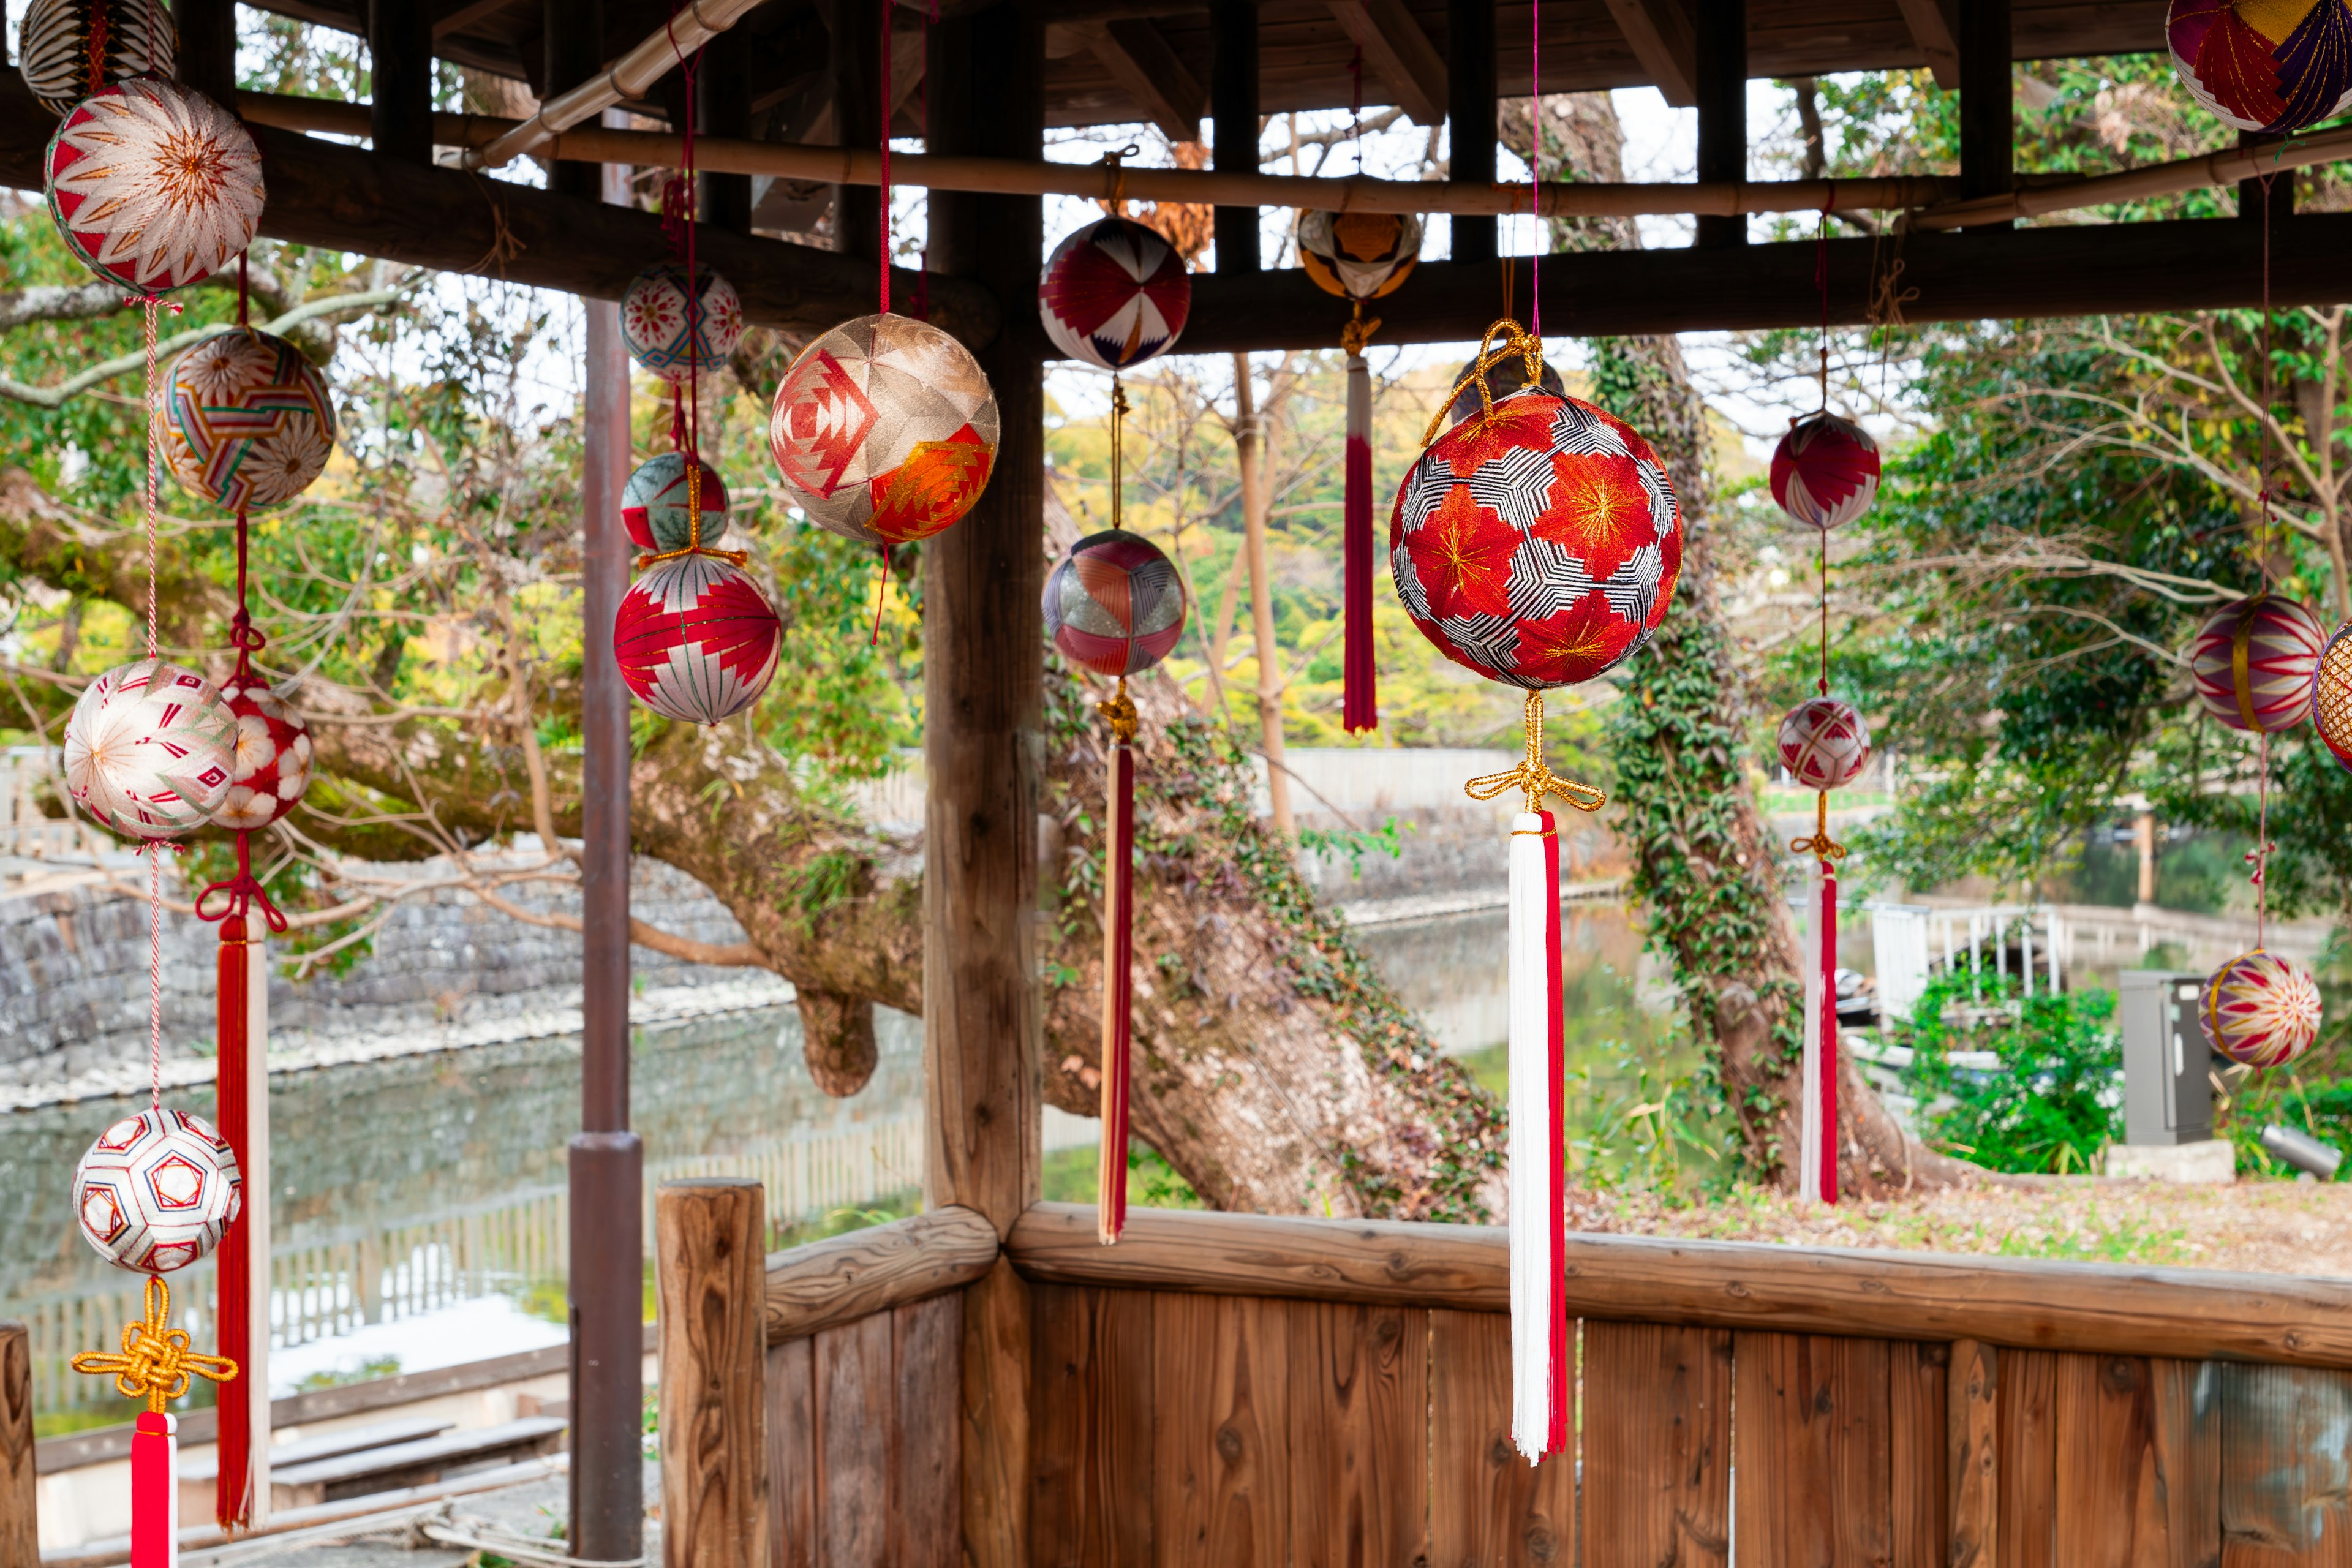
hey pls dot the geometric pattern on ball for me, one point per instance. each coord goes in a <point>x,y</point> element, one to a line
<point>1826,471</point>
<point>67,49</point>
<point>1823,743</point>
<point>249,422</point>
<point>2331,696</point>
<point>154,185</point>
<point>156,1191</point>
<point>696,639</point>
<point>1537,545</point>
<point>2264,65</point>
<point>1115,605</point>
<point>1114,294</point>
<point>2253,662</point>
<point>272,758</point>
<point>656,508</point>
<point>2261,1009</point>
<point>1358,256</point>
<point>884,430</point>
<point>655,321</point>
<point>150,749</point>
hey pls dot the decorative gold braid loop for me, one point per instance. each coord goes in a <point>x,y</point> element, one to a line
<point>156,1363</point>
<point>1118,712</point>
<point>1821,845</point>
<point>1358,333</point>
<point>1515,342</point>
<point>1533,776</point>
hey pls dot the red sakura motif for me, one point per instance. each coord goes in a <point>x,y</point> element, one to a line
<point>1598,510</point>
<point>1517,422</point>
<point>1463,557</point>
<point>1575,645</point>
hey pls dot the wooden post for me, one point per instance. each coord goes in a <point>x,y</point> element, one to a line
<point>1470,111</point>
<point>725,109</point>
<point>1972,1411</point>
<point>1233,109</point>
<point>400,66</point>
<point>984,689</point>
<point>208,57</point>
<point>711,1237</point>
<point>857,121</point>
<point>19,1528</point>
<point>571,49</point>
<point>1721,69</point>
<point>1988,119</point>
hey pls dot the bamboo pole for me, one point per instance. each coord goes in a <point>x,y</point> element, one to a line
<point>2223,168</point>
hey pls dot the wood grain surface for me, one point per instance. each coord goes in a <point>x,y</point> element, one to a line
<point>2286,1457</point>
<point>1488,1508</point>
<point>1359,1434</point>
<point>1972,1453</point>
<point>926,1459</point>
<point>1809,1452</point>
<point>1918,1380</point>
<point>1221,1475</point>
<point>856,1403</point>
<point>846,1277</point>
<point>19,1532</point>
<point>1092,1454</point>
<point>710,1286</point>
<point>1658,1444</point>
<point>2027,1447</point>
<point>794,1462</point>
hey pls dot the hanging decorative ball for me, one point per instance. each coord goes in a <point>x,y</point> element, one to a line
<point>2254,662</point>
<point>696,639</point>
<point>150,749</point>
<point>67,49</point>
<point>1358,256</point>
<point>655,324</point>
<point>2261,1009</point>
<point>2283,65</point>
<point>884,430</point>
<point>657,511</point>
<point>157,1189</point>
<point>1114,294</point>
<point>1504,377</point>
<point>1537,545</point>
<point>272,757</point>
<point>1115,605</point>
<point>1824,742</point>
<point>1826,471</point>
<point>249,422</point>
<point>2331,696</point>
<point>154,185</point>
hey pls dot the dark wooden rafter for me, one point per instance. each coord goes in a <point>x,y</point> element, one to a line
<point>1470,113</point>
<point>207,57</point>
<point>1659,33</point>
<point>1987,108</point>
<point>724,109</point>
<point>1720,79</point>
<point>1154,76</point>
<point>400,76</point>
<point>1232,84</point>
<point>1397,55</point>
<point>1930,22</point>
<point>856,80</point>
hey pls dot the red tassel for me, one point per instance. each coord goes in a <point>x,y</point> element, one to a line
<point>155,1491</point>
<point>1118,955</point>
<point>1562,1361</point>
<point>1829,1035</point>
<point>1359,706</point>
<point>233,1270</point>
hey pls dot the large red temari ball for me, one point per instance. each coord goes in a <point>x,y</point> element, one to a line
<point>696,639</point>
<point>1824,742</point>
<point>1114,294</point>
<point>2254,663</point>
<point>2331,696</point>
<point>659,512</point>
<point>157,1191</point>
<point>1537,545</point>
<point>150,749</point>
<point>67,49</point>
<point>248,421</point>
<point>272,760</point>
<point>154,185</point>
<point>1115,604</point>
<point>1826,471</point>
<point>2261,1009</point>
<point>2264,65</point>
<point>672,332</point>
<point>884,430</point>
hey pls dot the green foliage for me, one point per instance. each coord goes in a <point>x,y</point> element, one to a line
<point>1353,843</point>
<point>367,1371</point>
<point>2054,1104</point>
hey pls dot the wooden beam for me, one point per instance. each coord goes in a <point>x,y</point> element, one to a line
<point>1399,52</point>
<point>1148,72</point>
<point>1931,29</point>
<point>1233,86</point>
<point>708,1234</point>
<point>1720,77</point>
<point>2190,1313</point>
<point>1987,111</point>
<point>828,1283</point>
<point>207,57</point>
<point>1470,113</point>
<point>20,1535</point>
<point>1660,34</point>
<point>400,70</point>
<point>458,18</point>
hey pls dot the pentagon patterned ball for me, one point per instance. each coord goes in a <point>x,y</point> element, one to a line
<point>67,49</point>
<point>1504,377</point>
<point>696,639</point>
<point>1115,605</point>
<point>1358,256</point>
<point>1537,545</point>
<point>150,749</point>
<point>1114,294</point>
<point>1826,471</point>
<point>2263,65</point>
<point>248,421</point>
<point>657,508</point>
<point>666,338</point>
<point>2331,696</point>
<point>272,758</point>
<point>884,430</point>
<point>157,1191</point>
<point>1824,742</point>
<point>2254,662</point>
<point>154,185</point>
<point>2261,1009</point>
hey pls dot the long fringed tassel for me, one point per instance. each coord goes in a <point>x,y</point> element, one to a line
<point>1360,706</point>
<point>1817,1173</point>
<point>1119,955</point>
<point>155,1491</point>
<point>232,1495</point>
<point>253,1389</point>
<point>1537,1176</point>
<point>1827,982</point>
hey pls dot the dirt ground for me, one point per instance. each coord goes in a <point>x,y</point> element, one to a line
<point>2269,1228</point>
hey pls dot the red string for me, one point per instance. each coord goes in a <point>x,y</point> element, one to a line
<point>1535,158</point>
<point>679,220</point>
<point>2261,856</point>
<point>886,159</point>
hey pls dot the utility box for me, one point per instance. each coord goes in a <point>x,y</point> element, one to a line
<point>2168,1066</point>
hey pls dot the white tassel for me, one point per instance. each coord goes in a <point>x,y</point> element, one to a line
<point>1534,905</point>
<point>1809,1118</point>
<point>253,1382</point>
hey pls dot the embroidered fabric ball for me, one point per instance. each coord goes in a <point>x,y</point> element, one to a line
<point>272,757</point>
<point>248,421</point>
<point>157,1191</point>
<point>2254,663</point>
<point>2331,696</point>
<point>668,339</point>
<point>2263,65</point>
<point>657,511</point>
<point>1537,545</point>
<point>1824,742</point>
<point>67,49</point>
<point>1504,377</point>
<point>1358,256</point>
<point>1114,294</point>
<point>1115,605</point>
<point>2261,1009</point>
<point>696,639</point>
<point>150,749</point>
<point>884,430</point>
<point>1826,471</point>
<point>154,185</point>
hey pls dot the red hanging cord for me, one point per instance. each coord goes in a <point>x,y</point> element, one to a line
<point>1535,162</point>
<point>886,10</point>
<point>2262,851</point>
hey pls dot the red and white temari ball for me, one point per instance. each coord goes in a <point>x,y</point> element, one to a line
<point>2264,65</point>
<point>1537,545</point>
<point>1358,256</point>
<point>157,1189</point>
<point>696,639</point>
<point>2255,662</point>
<point>1824,742</point>
<point>664,336</point>
<point>249,422</point>
<point>1114,294</point>
<point>1115,605</point>
<point>659,512</point>
<point>2331,696</point>
<point>67,49</point>
<point>1826,471</point>
<point>272,759</point>
<point>2261,1009</point>
<point>884,430</point>
<point>154,185</point>
<point>150,749</point>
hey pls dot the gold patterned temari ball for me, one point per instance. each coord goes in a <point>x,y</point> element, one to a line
<point>1358,256</point>
<point>2261,1009</point>
<point>2331,696</point>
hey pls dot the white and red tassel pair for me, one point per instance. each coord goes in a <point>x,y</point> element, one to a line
<point>1817,1165</point>
<point>1118,961</point>
<point>1360,703</point>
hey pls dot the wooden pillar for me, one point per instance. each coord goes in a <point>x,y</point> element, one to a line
<point>1470,107</point>
<point>712,1292</point>
<point>19,1528</point>
<point>400,69</point>
<point>983,743</point>
<point>572,39</point>
<point>208,57</point>
<point>857,119</point>
<point>1233,109</point>
<point>725,111</point>
<point>1987,117</point>
<point>1721,86</point>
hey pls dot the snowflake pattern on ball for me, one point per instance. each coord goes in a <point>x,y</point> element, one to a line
<point>154,185</point>
<point>655,321</point>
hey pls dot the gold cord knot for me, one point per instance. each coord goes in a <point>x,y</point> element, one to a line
<point>1118,712</point>
<point>1820,845</point>
<point>156,1363</point>
<point>1533,776</point>
<point>1527,347</point>
<point>1357,332</point>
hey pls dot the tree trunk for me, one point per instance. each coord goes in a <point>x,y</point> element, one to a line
<point>1251,455</point>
